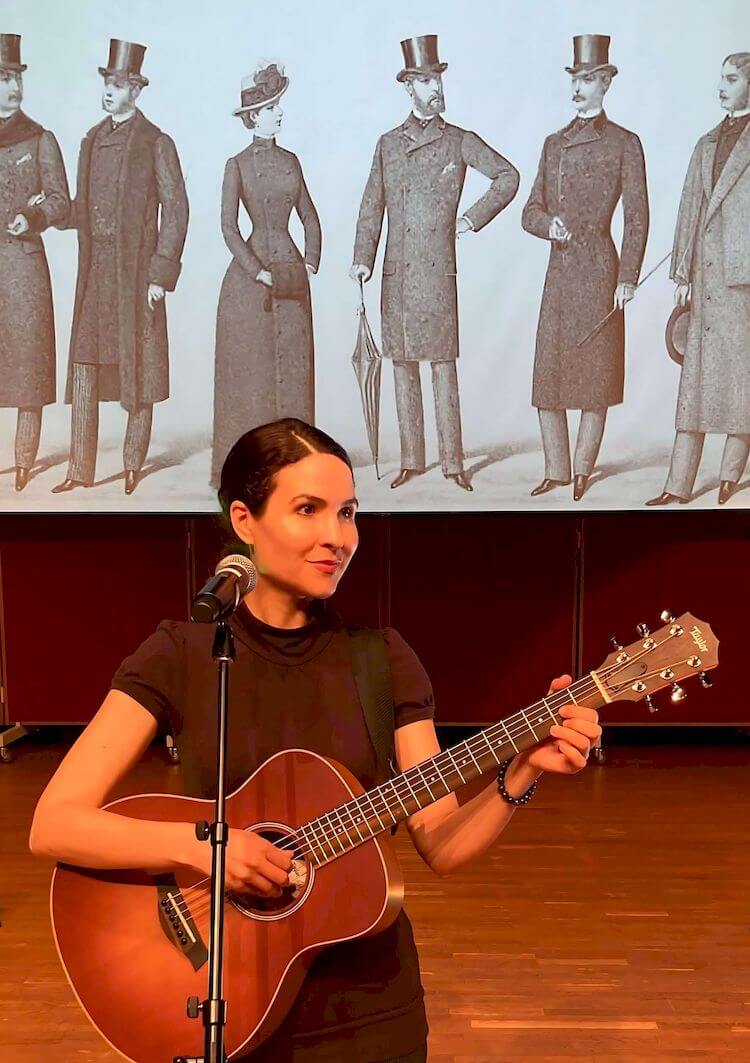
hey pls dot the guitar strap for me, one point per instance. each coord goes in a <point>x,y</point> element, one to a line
<point>372,674</point>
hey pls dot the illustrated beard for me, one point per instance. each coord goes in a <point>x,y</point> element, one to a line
<point>434,105</point>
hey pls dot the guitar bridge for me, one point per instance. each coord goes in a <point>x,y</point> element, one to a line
<point>178,924</point>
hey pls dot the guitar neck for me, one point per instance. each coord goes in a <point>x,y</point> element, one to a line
<point>379,809</point>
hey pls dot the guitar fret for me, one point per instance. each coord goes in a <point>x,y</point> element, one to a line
<point>315,844</point>
<point>468,749</point>
<point>326,829</point>
<point>424,780</point>
<point>398,798</point>
<point>489,746</point>
<point>362,816</point>
<point>436,766</point>
<point>329,832</point>
<point>549,710</point>
<point>405,777</point>
<point>343,826</point>
<point>321,845</point>
<point>530,726</point>
<point>382,825</point>
<point>453,762</point>
<point>351,817</point>
<point>510,736</point>
<point>332,828</point>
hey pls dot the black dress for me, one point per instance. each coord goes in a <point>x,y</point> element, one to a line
<point>361,1000</point>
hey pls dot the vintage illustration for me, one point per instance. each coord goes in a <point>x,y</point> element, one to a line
<point>584,171</point>
<point>416,178</point>
<point>264,332</point>
<point>711,268</point>
<point>131,214</point>
<point>204,192</point>
<point>33,196</point>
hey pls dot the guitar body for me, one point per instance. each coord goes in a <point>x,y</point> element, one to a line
<point>133,945</point>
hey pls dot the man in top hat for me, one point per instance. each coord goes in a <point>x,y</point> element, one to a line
<point>585,169</point>
<point>711,268</point>
<point>33,196</point>
<point>417,176</point>
<point>131,212</point>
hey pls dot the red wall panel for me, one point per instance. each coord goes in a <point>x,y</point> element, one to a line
<point>635,565</point>
<point>78,595</point>
<point>487,602</point>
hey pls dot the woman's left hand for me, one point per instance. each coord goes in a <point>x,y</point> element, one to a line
<point>567,749</point>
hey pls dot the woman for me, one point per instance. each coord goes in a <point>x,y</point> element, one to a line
<point>264,337</point>
<point>288,491</point>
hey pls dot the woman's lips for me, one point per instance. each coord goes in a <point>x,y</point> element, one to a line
<point>326,566</point>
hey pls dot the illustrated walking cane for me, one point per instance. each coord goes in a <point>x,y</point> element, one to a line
<point>600,325</point>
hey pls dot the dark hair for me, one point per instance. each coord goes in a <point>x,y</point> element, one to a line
<point>248,472</point>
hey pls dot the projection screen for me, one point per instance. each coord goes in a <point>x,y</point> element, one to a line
<point>548,202</point>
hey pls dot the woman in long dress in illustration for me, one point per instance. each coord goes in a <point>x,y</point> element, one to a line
<point>264,366</point>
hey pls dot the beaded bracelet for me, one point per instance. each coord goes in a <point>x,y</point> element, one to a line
<point>523,799</point>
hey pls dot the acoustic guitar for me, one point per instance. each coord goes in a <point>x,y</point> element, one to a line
<point>134,945</point>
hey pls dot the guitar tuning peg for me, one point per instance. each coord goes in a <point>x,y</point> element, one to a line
<point>615,642</point>
<point>678,694</point>
<point>651,706</point>
<point>643,630</point>
<point>705,681</point>
<point>667,616</point>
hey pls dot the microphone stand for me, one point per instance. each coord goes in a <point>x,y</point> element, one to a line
<point>213,1009</point>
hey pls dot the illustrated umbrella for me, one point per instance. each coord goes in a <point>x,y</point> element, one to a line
<point>367,361</point>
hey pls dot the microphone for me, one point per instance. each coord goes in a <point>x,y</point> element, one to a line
<point>235,575</point>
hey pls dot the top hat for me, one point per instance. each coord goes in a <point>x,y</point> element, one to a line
<point>10,52</point>
<point>420,56</point>
<point>675,334</point>
<point>590,53</point>
<point>125,59</point>
<point>261,88</point>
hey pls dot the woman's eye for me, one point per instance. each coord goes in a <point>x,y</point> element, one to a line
<point>306,508</point>
<point>348,512</point>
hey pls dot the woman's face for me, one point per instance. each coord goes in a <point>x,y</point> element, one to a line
<point>306,536</point>
<point>268,120</point>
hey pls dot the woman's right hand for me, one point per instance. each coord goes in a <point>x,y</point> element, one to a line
<point>265,278</point>
<point>253,865</point>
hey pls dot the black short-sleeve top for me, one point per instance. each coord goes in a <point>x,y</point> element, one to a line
<point>294,688</point>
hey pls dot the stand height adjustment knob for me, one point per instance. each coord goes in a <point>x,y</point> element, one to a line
<point>202,830</point>
<point>194,1007</point>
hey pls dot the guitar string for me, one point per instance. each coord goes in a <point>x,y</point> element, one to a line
<point>557,697</point>
<point>584,687</point>
<point>520,717</point>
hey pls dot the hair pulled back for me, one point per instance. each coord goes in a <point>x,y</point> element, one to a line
<point>248,472</point>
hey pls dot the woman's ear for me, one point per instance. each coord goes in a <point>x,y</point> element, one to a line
<point>242,522</point>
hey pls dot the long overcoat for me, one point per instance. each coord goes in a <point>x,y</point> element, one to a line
<point>31,168</point>
<point>152,209</point>
<point>416,177</point>
<point>584,171</point>
<point>264,367</point>
<point>712,252</point>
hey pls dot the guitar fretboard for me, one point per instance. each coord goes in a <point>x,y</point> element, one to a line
<point>349,825</point>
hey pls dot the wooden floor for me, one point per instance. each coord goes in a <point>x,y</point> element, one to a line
<point>611,923</point>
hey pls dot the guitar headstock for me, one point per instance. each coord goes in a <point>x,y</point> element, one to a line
<point>683,647</point>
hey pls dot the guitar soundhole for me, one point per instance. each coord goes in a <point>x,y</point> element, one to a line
<point>293,895</point>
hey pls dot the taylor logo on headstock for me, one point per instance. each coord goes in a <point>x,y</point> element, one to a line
<point>698,639</point>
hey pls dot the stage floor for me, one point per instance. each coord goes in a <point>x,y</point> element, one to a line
<point>611,922</point>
